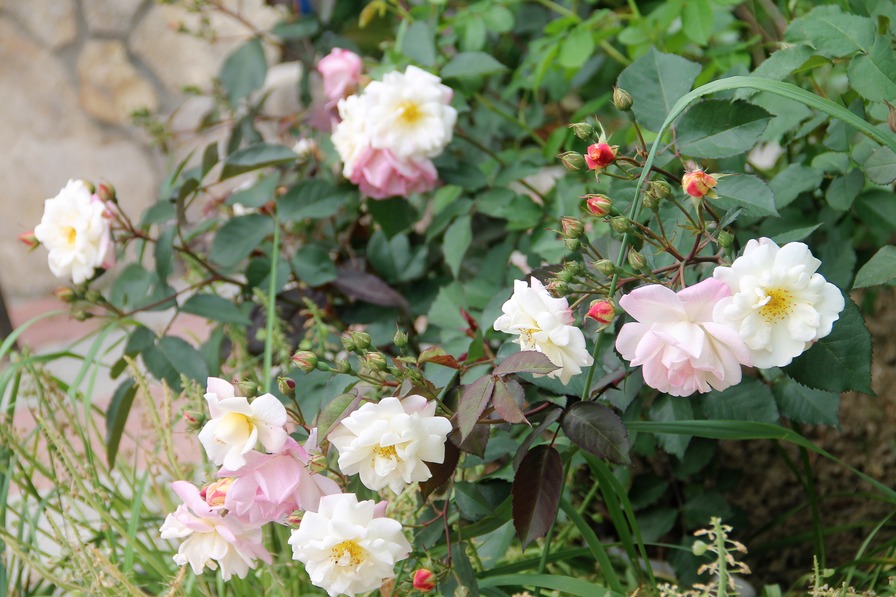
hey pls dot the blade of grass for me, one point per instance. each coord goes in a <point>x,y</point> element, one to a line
<point>594,545</point>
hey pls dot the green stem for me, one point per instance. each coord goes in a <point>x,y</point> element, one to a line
<point>722,590</point>
<point>513,119</point>
<point>272,308</point>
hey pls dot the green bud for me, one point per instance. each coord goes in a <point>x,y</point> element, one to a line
<point>348,343</point>
<point>605,266</point>
<point>622,99</point>
<point>636,260</point>
<point>651,202</point>
<point>564,275</point>
<point>400,339</point>
<point>620,224</point>
<point>659,189</point>
<point>572,227</point>
<point>343,367</point>
<point>582,130</point>
<point>361,339</point>
<point>575,268</point>
<point>305,360</point>
<point>376,361</point>
<point>699,548</point>
<point>573,244</point>
<point>725,239</point>
<point>559,288</point>
<point>286,385</point>
<point>572,160</point>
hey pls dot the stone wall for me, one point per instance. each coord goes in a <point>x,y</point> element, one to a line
<point>71,73</point>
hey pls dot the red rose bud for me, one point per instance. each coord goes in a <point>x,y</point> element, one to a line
<point>29,240</point>
<point>295,518</point>
<point>698,184</point>
<point>305,360</point>
<point>215,493</point>
<point>194,420</point>
<point>599,205</point>
<point>286,385</point>
<point>424,580</point>
<point>600,155</point>
<point>106,193</point>
<point>603,312</point>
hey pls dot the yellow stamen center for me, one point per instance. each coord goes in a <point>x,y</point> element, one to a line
<point>409,113</point>
<point>526,340</point>
<point>233,427</point>
<point>347,553</point>
<point>385,452</point>
<point>779,305</point>
<point>70,234</point>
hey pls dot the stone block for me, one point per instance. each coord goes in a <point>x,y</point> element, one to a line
<point>110,87</point>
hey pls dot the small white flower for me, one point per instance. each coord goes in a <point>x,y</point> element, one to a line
<point>389,442</point>
<point>237,425</point>
<point>210,539</point>
<point>76,232</point>
<point>779,304</point>
<point>304,148</point>
<point>345,548</point>
<point>349,137</point>
<point>544,323</point>
<point>409,113</point>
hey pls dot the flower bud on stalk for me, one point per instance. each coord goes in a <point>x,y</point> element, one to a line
<point>195,420</point>
<point>215,493</point>
<point>400,339</point>
<point>622,99</point>
<point>65,294</point>
<point>305,360</point>
<point>564,275</point>
<point>636,260</point>
<point>620,224</point>
<point>361,339</point>
<point>573,244</point>
<point>29,240</point>
<point>575,268</point>
<point>602,311</point>
<point>560,289</point>
<point>600,155</point>
<point>424,580</point>
<point>572,160</point>
<point>582,130</point>
<point>107,194</point>
<point>343,367</point>
<point>572,227</point>
<point>659,189</point>
<point>699,184</point>
<point>376,361</point>
<point>286,385</point>
<point>725,239</point>
<point>348,343</point>
<point>599,205</point>
<point>651,202</point>
<point>605,266</point>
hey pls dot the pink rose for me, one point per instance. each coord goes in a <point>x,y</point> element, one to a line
<point>380,174</point>
<point>681,348</point>
<point>271,486</point>
<point>341,70</point>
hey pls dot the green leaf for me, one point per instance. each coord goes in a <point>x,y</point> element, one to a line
<point>238,237</point>
<point>747,191</point>
<point>750,400</point>
<point>457,241</point>
<point>136,287</point>
<point>260,155</point>
<point>577,47</point>
<point>793,180</point>
<point>212,306</point>
<point>841,361</point>
<point>880,269</point>
<point>258,194</point>
<point>116,417</point>
<point>657,81</point>
<point>672,408</point>
<point>720,129</point>
<point>313,265</point>
<point>479,500</point>
<point>805,405</point>
<point>877,208</point>
<point>301,29</point>
<point>209,158</point>
<point>471,64</point>
<point>184,358</point>
<point>843,190</point>
<point>473,401</point>
<point>782,63</point>
<point>244,71</point>
<point>313,198</point>
<point>337,409</point>
<point>598,430</point>
<point>526,361</point>
<point>164,252</point>
<point>462,571</point>
<point>697,21</point>
<point>537,486</point>
<point>566,585</point>
<point>831,32</point>
<point>418,44</point>
<point>393,215</point>
<point>795,234</point>
<point>873,74</point>
<point>881,166</point>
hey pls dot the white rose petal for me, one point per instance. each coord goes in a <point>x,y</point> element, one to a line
<point>345,548</point>
<point>75,230</point>
<point>779,304</point>
<point>544,323</point>
<point>389,442</point>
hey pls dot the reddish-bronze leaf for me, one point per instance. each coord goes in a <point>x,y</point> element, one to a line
<point>527,361</point>
<point>472,402</point>
<point>508,399</point>
<point>368,288</point>
<point>549,418</point>
<point>437,355</point>
<point>536,492</point>
<point>441,472</point>
<point>475,443</point>
<point>598,430</point>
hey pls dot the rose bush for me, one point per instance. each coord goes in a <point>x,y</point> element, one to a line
<point>402,282</point>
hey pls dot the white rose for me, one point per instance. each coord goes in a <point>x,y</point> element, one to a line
<point>544,323</point>
<point>76,232</point>
<point>779,304</point>
<point>237,425</point>
<point>389,442</point>
<point>345,548</point>
<point>349,137</point>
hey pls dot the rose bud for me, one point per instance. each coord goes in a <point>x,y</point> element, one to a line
<point>699,184</point>
<point>600,155</point>
<point>572,160</point>
<point>599,205</point>
<point>215,493</point>
<point>622,99</point>
<point>582,130</point>
<point>424,580</point>
<point>572,227</point>
<point>603,312</point>
<point>29,240</point>
<point>305,360</point>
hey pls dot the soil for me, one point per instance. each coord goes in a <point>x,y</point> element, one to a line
<point>781,541</point>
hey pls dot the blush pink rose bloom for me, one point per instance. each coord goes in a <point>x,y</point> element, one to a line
<point>680,347</point>
<point>270,487</point>
<point>380,174</point>
<point>341,71</point>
